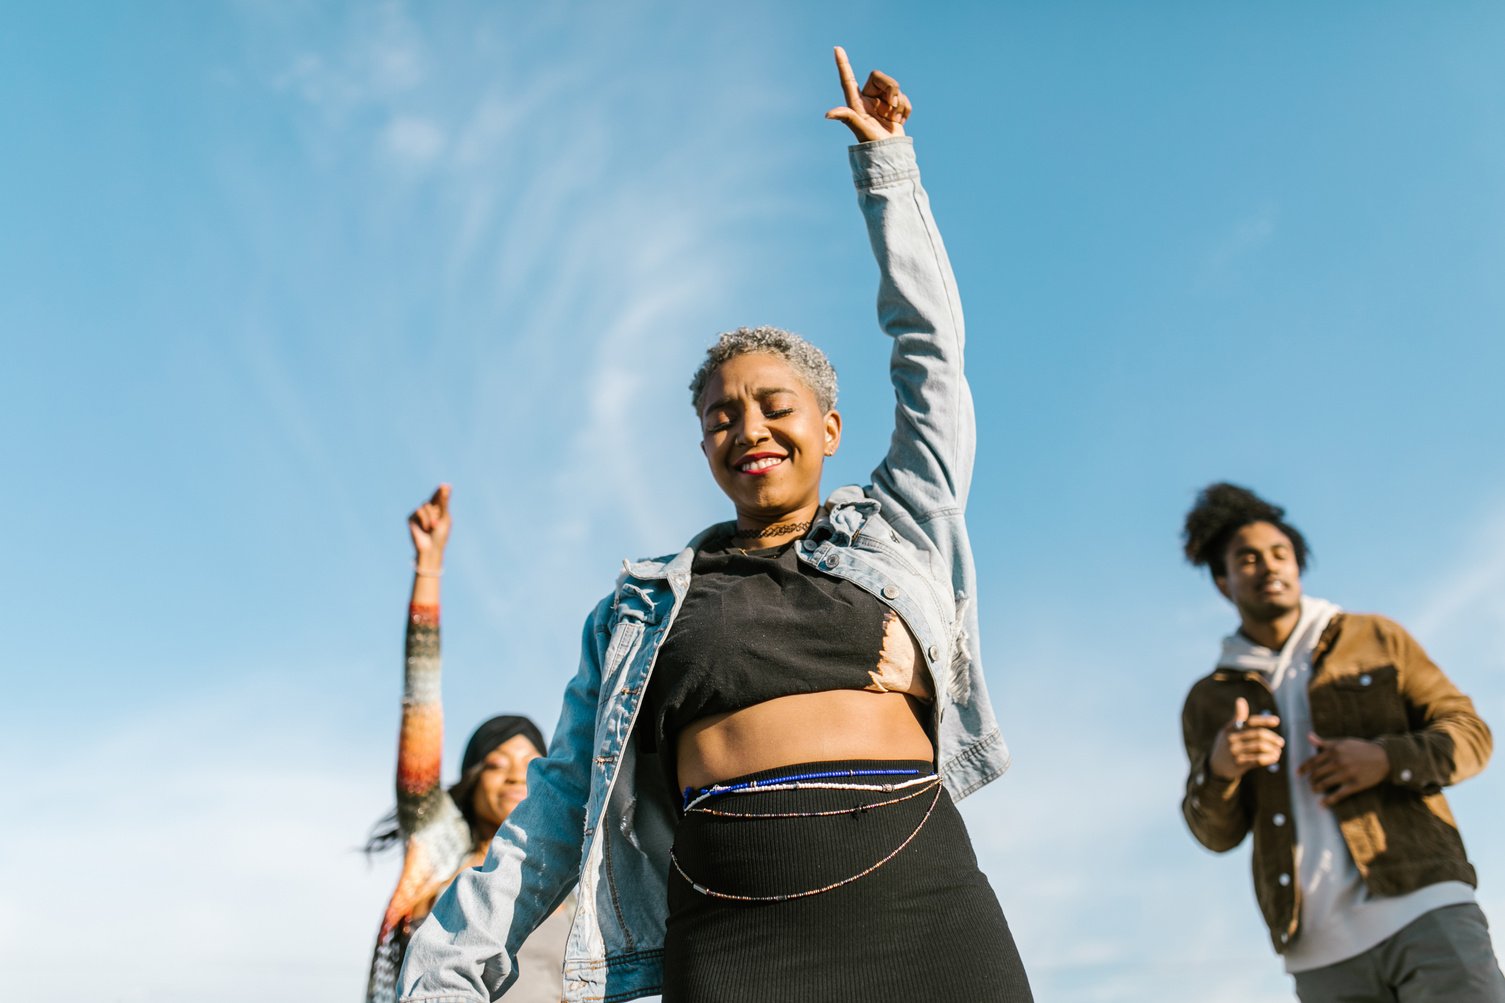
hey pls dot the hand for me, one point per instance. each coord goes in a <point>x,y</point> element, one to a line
<point>1245,742</point>
<point>878,111</point>
<point>1344,766</point>
<point>429,526</point>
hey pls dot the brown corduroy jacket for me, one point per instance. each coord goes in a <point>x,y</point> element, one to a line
<point>1370,679</point>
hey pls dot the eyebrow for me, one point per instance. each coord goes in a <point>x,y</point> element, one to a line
<point>758,394</point>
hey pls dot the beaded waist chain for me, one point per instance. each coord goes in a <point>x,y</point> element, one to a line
<point>916,784</point>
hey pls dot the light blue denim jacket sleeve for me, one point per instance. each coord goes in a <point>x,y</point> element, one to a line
<point>597,810</point>
<point>928,469</point>
<point>466,949</point>
<point>923,481</point>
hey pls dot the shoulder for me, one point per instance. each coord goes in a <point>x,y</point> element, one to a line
<point>1353,630</point>
<point>1201,692</point>
<point>443,839</point>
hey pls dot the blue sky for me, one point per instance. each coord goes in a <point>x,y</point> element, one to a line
<point>271,271</point>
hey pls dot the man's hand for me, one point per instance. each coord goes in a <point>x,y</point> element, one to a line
<point>1245,742</point>
<point>1344,766</point>
<point>429,526</point>
<point>878,111</point>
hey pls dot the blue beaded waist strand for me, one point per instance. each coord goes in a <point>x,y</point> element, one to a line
<point>693,794</point>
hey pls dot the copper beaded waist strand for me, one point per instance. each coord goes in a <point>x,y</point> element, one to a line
<point>826,780</point>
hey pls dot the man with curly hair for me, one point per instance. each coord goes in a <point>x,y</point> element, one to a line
<point>1329,736</point>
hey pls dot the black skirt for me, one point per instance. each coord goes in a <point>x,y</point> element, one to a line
<point>899,910</point>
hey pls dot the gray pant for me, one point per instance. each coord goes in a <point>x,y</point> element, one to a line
<point>1443,957</point>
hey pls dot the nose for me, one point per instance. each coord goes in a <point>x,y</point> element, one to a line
<point>751,428</point>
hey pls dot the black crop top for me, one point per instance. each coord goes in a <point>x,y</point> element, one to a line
<point>762,624</point>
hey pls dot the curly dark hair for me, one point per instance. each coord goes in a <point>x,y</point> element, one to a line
<point>1221,510</point>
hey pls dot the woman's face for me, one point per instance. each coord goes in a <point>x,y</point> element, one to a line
<point>765,436</point>
<point>504,780</point>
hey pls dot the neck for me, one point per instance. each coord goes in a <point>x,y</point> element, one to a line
<point>1272,634</point>
<point>786,526</point>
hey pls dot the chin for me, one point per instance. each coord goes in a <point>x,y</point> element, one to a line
<point>1273,609</point>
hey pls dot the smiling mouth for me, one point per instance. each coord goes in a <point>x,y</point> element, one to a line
<point>759,464</point>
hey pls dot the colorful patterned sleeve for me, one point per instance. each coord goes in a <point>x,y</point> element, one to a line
<point>435,836</point>
<point>420,745</point>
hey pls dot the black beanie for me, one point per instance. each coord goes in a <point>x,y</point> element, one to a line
<point>496,731</point>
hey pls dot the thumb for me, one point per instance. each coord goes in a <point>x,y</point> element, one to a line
<point>1318,742</point>
<point>1240,711</point>
<point>841,113</point>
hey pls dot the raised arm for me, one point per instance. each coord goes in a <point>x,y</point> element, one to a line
<point>928,468</point>
<point>467,948</point>
<point>421,740</point>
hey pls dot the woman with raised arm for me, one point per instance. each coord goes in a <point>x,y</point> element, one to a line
<point>755,768</point>
<point>444,831</point>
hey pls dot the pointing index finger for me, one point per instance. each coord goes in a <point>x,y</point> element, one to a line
<point>848,80</point>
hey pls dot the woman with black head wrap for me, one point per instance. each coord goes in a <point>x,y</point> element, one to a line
<point>444,831</point>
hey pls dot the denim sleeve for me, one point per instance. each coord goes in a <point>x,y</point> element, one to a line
<point>928,469</point>
<point>466,950</point>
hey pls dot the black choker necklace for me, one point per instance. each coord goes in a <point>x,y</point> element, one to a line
<point>776,530</point>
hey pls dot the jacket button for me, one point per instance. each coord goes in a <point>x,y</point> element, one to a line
<point>833,560</point>
<point>1285,879</point>
<point>935,653</point>
<point>1364,680</point>
<point>889,592</point>
<point>1405,776</point>
<point>1279,819</point>
<point>1274,767</point>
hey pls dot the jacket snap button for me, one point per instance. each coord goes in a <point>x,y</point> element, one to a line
<point>934,652</point>
<point>1285,879</point>
<point>1364,680</point>
<point>889,592</point>
<point>1279,819</point>
<point>833,560</point>
<point>1405,776</point>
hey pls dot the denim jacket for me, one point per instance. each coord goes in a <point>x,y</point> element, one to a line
<point>597,810</point>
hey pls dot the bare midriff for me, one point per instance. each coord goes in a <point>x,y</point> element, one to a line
<point>803,728</point>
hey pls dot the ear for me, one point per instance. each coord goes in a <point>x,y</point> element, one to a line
<point>833,432</point>
<point>1221,581</point>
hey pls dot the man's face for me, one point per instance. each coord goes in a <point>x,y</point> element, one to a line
<point>1262,579</point>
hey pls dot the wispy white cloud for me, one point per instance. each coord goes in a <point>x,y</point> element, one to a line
<point>1472,588</point>
<point>379,56</point>
<point>413,139</point>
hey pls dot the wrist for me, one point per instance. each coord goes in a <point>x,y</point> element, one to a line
<point>429,567</point>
